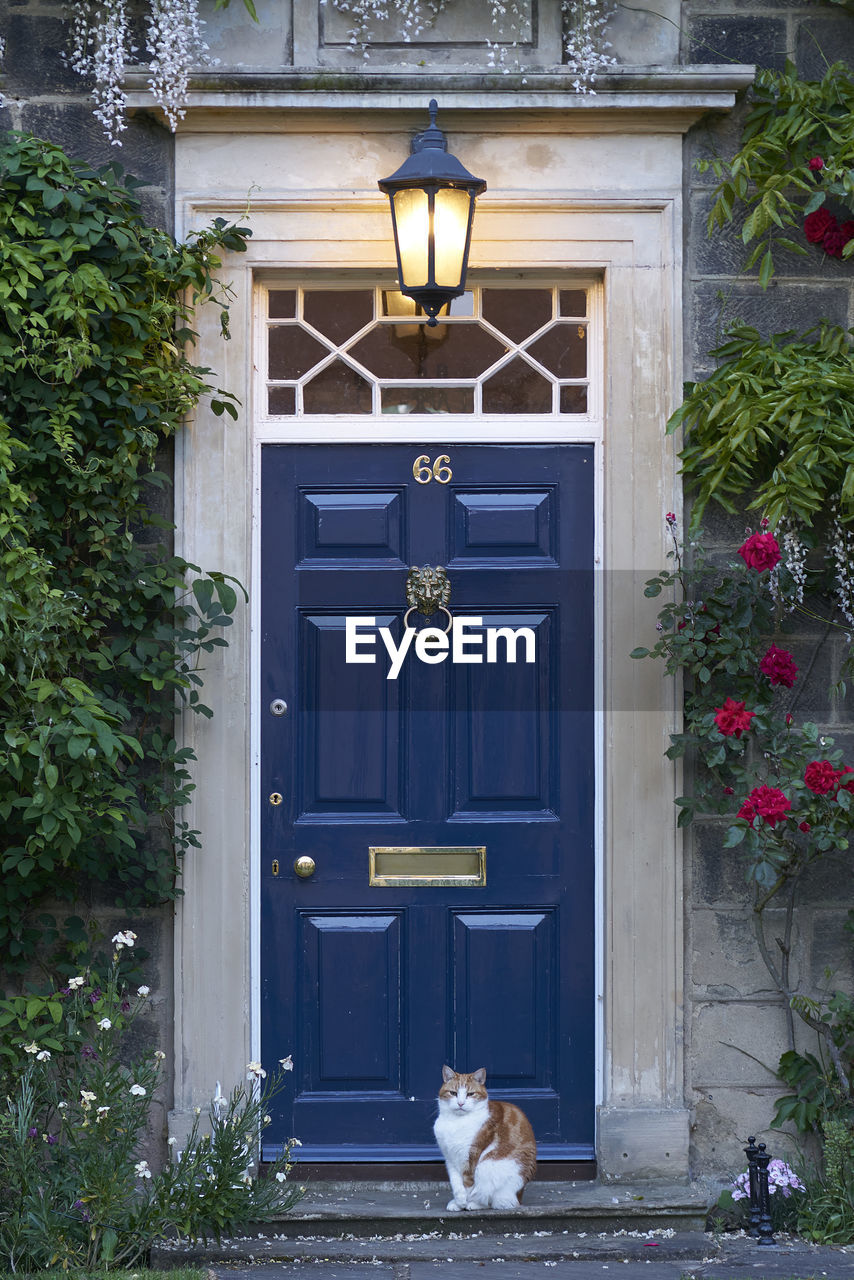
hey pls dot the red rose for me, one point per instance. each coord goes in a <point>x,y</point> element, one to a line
<point>821,777</point>
<point>732,719</point>
<point>747,811</point>
<point>834,241</point>
<point>804,826</point>
<point>816,223</point>
<point>815,164</point>
<point>729,791</point>
<point>847,230</point>
<point>789,720</point>
<point>760,551</point>
<point>770,804</point>
<point>779,666</point>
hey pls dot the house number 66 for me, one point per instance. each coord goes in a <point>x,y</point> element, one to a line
<point>425,471</point>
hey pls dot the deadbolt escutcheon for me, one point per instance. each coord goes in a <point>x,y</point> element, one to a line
<point>275,798</point>
<point>304,866</point>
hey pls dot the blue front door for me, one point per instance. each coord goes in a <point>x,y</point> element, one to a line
<point>371,985</point>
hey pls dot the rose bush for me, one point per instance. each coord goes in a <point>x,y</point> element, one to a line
<point>784,790</point>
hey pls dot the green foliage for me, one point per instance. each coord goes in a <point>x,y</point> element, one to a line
<point>100,629</point>
<point>773,423</point>
<point>827,1217</point>
<point>768,179</point>
<point>74,1191</point>
<point>715,630</point>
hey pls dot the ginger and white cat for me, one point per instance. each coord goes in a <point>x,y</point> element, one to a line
<point>489,1147</point>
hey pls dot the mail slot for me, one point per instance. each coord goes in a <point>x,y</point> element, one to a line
<point>428,865</point>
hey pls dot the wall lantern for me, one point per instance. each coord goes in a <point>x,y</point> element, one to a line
<point>432,210</point>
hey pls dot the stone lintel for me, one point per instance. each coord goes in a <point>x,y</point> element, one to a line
<point>643,1144</point>
<point>674,98</point>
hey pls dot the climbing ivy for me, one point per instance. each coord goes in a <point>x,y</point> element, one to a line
<point>101,628</point>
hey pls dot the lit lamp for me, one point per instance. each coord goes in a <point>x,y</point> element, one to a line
<point>432,210</point>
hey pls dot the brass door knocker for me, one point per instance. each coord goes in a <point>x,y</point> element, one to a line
<point>428,590</point>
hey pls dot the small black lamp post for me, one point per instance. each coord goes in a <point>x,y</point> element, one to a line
<point>765,1231</point>
<point>432,200</point>
<point>752,1151</point>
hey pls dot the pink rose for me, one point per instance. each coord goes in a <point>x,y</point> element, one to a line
<point>761,551</point>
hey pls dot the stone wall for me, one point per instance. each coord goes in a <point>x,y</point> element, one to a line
<point>735,1026</point>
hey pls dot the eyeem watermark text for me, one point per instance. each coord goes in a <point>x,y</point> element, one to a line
<point>433,645</point>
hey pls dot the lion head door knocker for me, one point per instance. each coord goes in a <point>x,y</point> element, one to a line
<point>428,590</point>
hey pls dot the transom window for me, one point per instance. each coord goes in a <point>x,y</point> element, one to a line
<point>370,351</point>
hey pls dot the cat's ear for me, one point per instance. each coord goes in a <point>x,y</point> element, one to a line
<point>479,1075</point>
<point>447,1074</point>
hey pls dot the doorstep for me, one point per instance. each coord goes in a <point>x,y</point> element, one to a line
<point>386,1208</point>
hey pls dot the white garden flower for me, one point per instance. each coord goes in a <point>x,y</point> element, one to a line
<point>43,1055</point>
<point>143,991</point>
<point>287,1064</point>
<point>171,1141</point>
<point>141,1169</point>
<point>254,1071</point>
<point>61,1106</point>
<point>124,939</point>
<point>137,1090</point>
<point>159,1055</point>
<point>74,983</point>
<point>32,1047</point>
<point>281,1177</point>
<point>86,1099</point>
<point>105,1024</point>
<point>101,1113</point>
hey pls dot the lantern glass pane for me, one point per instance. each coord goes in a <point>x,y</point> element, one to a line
<point>412,223</point>
<point>451,222</point>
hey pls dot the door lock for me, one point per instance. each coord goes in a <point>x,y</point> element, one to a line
<point>278,707</point>
<point>275,798</point>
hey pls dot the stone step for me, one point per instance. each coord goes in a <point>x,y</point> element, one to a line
<point>346,1209</point>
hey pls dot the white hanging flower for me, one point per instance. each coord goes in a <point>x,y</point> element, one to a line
<point>101,1113</point>
<point>43,1055</point>
<point>100,47</point>
<point>87,1098</point>
<point>174,36</point>
<point>143,991</point>
<point>281,1177</point>
<point>254,1071</point>
<point>287,1064</point>
<point>104,1024</point>
<point>74,983</point>
<point>32,1047</point>
<point>159,1055</point>
<point>137,1091</point>
<point>125,939</point>
<point>141,1169</point>
<point>171,1141</point>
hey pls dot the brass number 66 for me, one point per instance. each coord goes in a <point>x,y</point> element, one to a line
<point>424,471</point>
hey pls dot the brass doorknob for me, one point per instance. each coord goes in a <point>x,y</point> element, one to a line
<point>304,867</point>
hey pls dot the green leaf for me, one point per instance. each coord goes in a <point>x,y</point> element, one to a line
<point>766,270</point>
<point>639,653</point>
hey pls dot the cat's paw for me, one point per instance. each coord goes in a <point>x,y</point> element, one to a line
<point>454,1206</point>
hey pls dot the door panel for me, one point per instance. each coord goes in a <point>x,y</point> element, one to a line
<point>372,987</point>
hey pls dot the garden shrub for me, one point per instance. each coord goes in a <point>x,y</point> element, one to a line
<point>100,626</point>
<point>74,1190</point>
